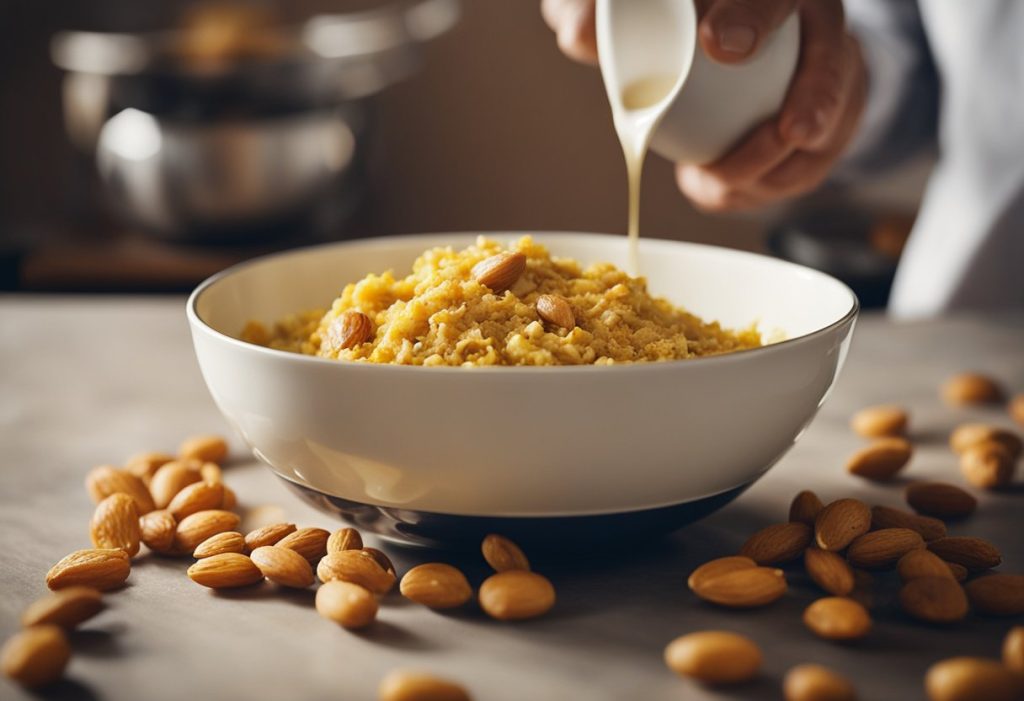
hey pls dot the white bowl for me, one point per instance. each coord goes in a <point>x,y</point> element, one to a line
<point>405,450</point>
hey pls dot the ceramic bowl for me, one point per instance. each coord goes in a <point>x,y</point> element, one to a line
<point>443,455</point>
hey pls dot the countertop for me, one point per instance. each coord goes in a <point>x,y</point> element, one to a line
<point>87,381</point>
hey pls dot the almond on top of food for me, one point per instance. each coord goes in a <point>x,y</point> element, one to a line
<point>351,329</point>
<point>412,685</point>
<point>65,608</point>
<point>105,480</point>
<point>881,420</point>
<point>883,548</point>
<point>971,388</point>
<point>157,529</point>
<point>225,571</point>
<point>515,595</point>
<point>805,507</point>
<point>880,460</point>
<point>282,566</point>
<point>171,479</point>
<point>206,448</point>
<point>972,679</point>
<point>813,682</point>
<point>500,271</point>
<point>347,604</point>
<point>1013,650</point>
<point>837,618</point>
<point>829,571</point>
<point>502,554</point>
<point>922,563</point>
<point>35,657</point>
<point>987,465</point>
<point>98,568</point>
<point>556,310</point>
<point>436,585</point>
<point>714,657</point>
<point>840,522</point>
<point>997,594</point>
<point>934,599</point>
<point>887,517</point>
<point>268,535</point>
<point>973,553</point>
<point>940,499</point>
<point>115,524</point>
<point>747,587</point>
<point>778,543</point>
<point>966,435</point>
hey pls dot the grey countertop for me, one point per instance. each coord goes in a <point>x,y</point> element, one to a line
<point>89,381</point>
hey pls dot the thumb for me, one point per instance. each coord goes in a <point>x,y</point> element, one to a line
<point>732,30</point>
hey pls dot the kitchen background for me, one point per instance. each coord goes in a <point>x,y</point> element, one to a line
<point>458,116</point>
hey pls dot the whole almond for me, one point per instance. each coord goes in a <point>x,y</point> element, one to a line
<point>220,543</point>
<point>971,388</point>
<point>934,599</point>
<point>881,460</point>
<point>713,568</point>
<point>939,499</point>
<point>144,465</point>
<point>778,543</point>
<point>966,435</point>
<point>922,563</point>
<point>115,524</point>
<point>207,448</point>
<point>837,618</point>
<point>500,272</point>
<point>805,507</point>
<point>351,329</point>
<point>195,528</point>
<point>436,585</point>
<point>887,517</point>
<point>100,568</point>
<point>973,553</point>
<point>268,535</point>
<point>1013,650</point>
<point>971,679</point>
<point>35,657</point>
<point>283,566</point>
<point>211,472</point>
<point>714,657</point>
<point>879,421</point>
<point>347,604</point>
<point>829,571</point>
<point>344,539</point>
<point>502,554</point>
<point>515,595</point>
<point>65,608</point>
<point>355,566</point>
<point>105,480</point>
<point>743,588</point>
<point>1016,409</point>
<point>882,549</point>
<point>225,571</point>
<point>840,523</point>
<point>156,530</point>
<point>812,682</point>
<point>171,479</point>
<point>382,559</point>
<point>556,310</point>
<point>987,465</point>
<point>199,496</point>
<point>997,594</point>
<point>311,543</point>
<point>407,685</point>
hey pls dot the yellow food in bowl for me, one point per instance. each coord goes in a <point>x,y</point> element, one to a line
<point>443,314</point>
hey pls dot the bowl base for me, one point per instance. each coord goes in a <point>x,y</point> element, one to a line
<point>452,531</point>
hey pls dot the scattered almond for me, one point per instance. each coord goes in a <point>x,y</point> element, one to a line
<point>971,388</point>
<point>65,608</point>
<point>436,585</point>
<point>171,479</point>
<point>156,529</point>
<point>922,563</point>
<point>879,421</point>
<point>268,535</point>
<point>115,524</point>
<point>500,272</point>
<point>382,559</point>
<point>283,566</point>
<point>829,571</point>
<point>805,508</point>
<point>144,465</point>
<point>714,657</point>
<point>971,679</point>
<point>713,568</point>
<point>939,499</point>
<point>347,604</point>
<point>35,657</point>
<point>220,543</point>
<point>225,571</point>
<point>887,517</point>
<point>556,310</point>
<point>881,460</point>
<point>311,543</point>
<point>405,685</point>
<point>204,449</point>
<point>502,554</point>
<point>987,465</point>
<point>973,553</point>
<point>358,567</point>
<point>516,595</point>
<point>100,568</point>
<point>1013,650</point>
<point>965,436</point>
<point>344,539</point>
<point>351,329</point>
<point>105,480</point>
<point>743,588</point>
<point>812,682</point>
<point>837,618</point>
<point>199,496</point>
<point>997,594</point>
<point>934,599</point>
<point>195,528</point>
<point>840,523</point>
<point>883,549</point>
<point>778,543</point>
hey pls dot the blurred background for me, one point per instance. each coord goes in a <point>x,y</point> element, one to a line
<point>144,146</point>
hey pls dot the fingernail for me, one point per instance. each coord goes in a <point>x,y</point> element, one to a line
<point>737,39</point>
<point>806,127</point>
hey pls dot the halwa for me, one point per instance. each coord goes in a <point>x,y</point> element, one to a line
<point>535,309</point>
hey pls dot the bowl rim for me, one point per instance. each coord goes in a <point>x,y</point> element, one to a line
<point>197,322</point>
